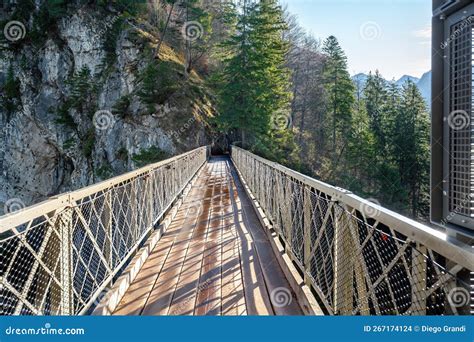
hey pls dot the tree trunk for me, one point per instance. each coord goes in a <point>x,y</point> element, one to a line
<point>157,51</point>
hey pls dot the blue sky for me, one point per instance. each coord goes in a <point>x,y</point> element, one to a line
<point>392,36</point>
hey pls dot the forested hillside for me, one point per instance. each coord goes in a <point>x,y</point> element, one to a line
<point>193,72</point>
<point>289,97</point>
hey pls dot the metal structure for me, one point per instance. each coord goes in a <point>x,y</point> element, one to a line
<point>59,256</point>
<point>358,258</point>
<point>452,175</point>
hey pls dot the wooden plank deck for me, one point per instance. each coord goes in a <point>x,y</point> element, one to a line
<point>214,259</point>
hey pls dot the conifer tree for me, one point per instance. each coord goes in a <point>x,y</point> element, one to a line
<point>411,149</point>
<point>340,98</point>
<point>197,30</point>
<point>375,94</point>
<point>254,84</point>
<point>11,98</point>
<point>359,175</point>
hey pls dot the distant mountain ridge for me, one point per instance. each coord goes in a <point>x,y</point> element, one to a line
<point>423,83</point>
<point>406,78</point>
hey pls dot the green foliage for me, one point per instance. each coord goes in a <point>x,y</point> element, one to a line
<point>88,143</point>
<point>158,82</point>
<point>149,156</point>
<point>46,19</point>
<point>122,154</point>
<point>63,116</point>
<point>196,48</point>
<point>127,7</point>
<point>340,100</point>
<point>83,98</point>
<point>411,149</point>
<point>68,143</point>
<point>388,154</point>
<point>104,172</point>
<point>121,107</point>
<point>110,42</point>
<point>83,90</point>
<point>376,93</point>
<point>11,94</point>
<point>376,145</point>
<point>254,83</point>
<point>24,63</point>
<point>22,12</point>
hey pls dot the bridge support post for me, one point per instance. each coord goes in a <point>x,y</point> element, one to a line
<point>360,270</point>
<point>65,230</point>
<point>287,219</point>
<point>108,213</point>
<point>307,241</point>
<point>418,278</point>
<point>343,264</point>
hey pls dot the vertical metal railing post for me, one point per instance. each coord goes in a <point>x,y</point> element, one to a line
<point>343,272</point>
<point>307,241</point>
<point>418,279</point>
<point>108,221</point>
<point>65,229</point>
<point>151,200</point>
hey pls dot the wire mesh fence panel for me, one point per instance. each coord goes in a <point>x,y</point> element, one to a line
<point>58,256</point>
<point>359,258</point>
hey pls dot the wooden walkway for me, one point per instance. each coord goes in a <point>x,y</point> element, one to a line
<point>214,259</point>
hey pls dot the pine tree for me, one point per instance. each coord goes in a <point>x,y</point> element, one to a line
<point>375,95</point>
<point>83,89</point>
<point>11,97</point>
<point>390,187</point>
<point>196,35</point>
<point>411,148</point>
<point>382,104</point>
<point>362,151</point>
<point>340,99</point>
<point>255,82</point>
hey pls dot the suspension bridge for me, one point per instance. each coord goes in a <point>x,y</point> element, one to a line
<point>225,235</point>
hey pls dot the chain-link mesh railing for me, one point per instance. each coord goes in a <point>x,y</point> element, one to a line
<point>357,257</point>
<point>56,257</point>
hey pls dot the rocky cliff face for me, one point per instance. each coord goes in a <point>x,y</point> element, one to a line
<point>81,112</point>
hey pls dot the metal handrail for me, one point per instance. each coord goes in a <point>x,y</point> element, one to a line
<point>336,238</point>
<point>58,256</point>
<point>63,200</point>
